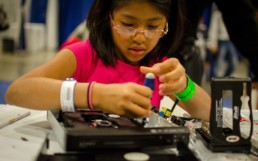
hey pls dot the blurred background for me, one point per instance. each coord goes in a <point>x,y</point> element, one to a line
<point>32,32</point>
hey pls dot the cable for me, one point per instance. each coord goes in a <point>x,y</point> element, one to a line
<point>174,106</point>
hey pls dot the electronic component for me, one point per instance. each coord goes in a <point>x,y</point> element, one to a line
<point>85,129</point>
<point>218,136</point>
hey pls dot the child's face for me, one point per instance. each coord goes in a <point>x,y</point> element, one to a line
<point>128,25</point>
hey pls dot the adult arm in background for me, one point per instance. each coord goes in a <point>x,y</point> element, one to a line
<point>239,18</point>
<point>213,33</point>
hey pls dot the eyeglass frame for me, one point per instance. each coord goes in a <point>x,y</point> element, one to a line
<point>134,30</point>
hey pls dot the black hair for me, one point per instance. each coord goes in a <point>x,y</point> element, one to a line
<point>98,24</point>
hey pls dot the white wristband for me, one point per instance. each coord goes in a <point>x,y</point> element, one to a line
<point>67,95</point>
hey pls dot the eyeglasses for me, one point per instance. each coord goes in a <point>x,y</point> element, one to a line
<point>130,31</point>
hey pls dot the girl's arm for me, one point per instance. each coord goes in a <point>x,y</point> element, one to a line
<point>174,80</point>
<point>40,88</point>
<point>199,105</point>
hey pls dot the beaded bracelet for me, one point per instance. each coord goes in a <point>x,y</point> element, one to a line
<point>188,92</point>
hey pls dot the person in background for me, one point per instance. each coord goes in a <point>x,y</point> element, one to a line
<point>4,25</point>
<point>106,72</point>
<point>219,44</point>
<point>240,22</point>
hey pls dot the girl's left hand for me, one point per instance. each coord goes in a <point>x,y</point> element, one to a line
<point>171,75</point>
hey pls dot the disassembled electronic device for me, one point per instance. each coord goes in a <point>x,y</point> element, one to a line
<point>85,129</point>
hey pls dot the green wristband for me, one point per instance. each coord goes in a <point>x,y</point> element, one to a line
<point>188,93</point>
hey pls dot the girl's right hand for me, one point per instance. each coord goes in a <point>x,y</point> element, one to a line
<point>128,99</point>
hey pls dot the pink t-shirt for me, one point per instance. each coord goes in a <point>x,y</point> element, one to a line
<point>90,68</point>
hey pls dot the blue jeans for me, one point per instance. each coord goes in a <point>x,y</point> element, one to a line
<point>227,59</point>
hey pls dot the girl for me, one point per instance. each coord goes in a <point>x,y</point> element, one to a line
<point>127,39</point>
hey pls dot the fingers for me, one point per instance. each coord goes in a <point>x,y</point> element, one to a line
<point>161,68</point>
<point>136,111</point>
<point>152,69</point>
<point>129,99</point>
<point>132,100</point>
<point>170,88</point>
<point>140,100</point>
<point>171,76</point>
